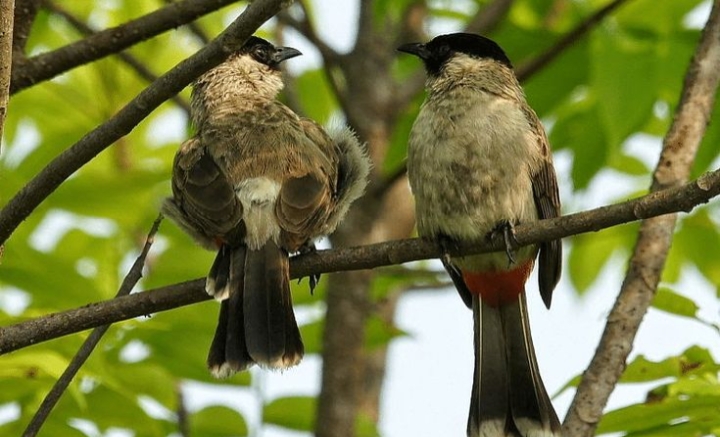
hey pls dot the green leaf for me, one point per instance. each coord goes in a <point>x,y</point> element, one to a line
<point>629,165</point>
<point>294,412</point>
<point>589,253</point>
<point>671,302</point>
<point>217,421</point>
<point>698,230</point>
<point>318,101</point>
<point>312,336</point>
<point>578,120</point>
<point>626,105</point>
<point>655,17</point>
<point>379,333</point>
<point>661,418</point>
<point>643,370</point>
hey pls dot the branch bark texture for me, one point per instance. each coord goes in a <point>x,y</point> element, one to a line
<point>48,65</point>
<point>6,46</point>
<point>671,200</point>
<point>646,264</point>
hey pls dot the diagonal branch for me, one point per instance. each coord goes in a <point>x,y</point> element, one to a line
<point>88,346</point>
<point>120,124</point>
<point>538,63</point>
<point>671,200</point>
<point>654,239</point>
<point>129,59</point>
<point>48,65</point>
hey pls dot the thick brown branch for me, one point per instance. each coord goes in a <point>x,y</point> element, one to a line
<point>42,185</point>
<point>671,200</point>
<point>6,49</point>
<point>88,346</point>
<point>129,59</point>
<point>654,239</point>
<point>48,65</point>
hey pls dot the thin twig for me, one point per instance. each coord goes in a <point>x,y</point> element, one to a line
<point>120,124</point>
<point>332,60</point>
<point>183,420</point>
<point>654,239</point>
<point>129,59</point>
<point>671,200</point>
<point>488,18</point>
<point>536,64</point>
<point>48,65</point>
<point>132,278</point>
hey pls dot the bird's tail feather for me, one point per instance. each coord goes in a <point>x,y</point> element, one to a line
<point>508,396</point>
<point>273,336</point>
<point>256,323</point>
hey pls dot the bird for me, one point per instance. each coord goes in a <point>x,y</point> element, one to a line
<point>479,163</point>
<point>258,183</point>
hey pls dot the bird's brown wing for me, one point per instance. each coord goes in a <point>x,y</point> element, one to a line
<point>202,192</point>
<point>307,195</point>
<point>547,202</point>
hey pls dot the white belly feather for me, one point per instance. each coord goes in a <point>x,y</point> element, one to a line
<point>258,196</point>
<point>470,165</point>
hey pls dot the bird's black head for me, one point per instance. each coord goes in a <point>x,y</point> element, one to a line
<point>266,53</point>
<point>438,51</point>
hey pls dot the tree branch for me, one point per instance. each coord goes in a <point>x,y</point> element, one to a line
<point>69,161</point>
<point>331,58</point>
<point>25,12</point>
<point>538,63</point>
<point>88,346</point>
<point>7,14</point>
<point>671,200</point>
<point>305,28</point>
<point>48,65</point>
<point>488,18</point>
<point>129,59</point>
<point>655,237</point>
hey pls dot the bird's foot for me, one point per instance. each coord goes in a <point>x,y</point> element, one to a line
<point>505,229</point>
<point>314,279</point>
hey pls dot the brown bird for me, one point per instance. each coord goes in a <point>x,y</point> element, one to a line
<point>258,183</point>
<point>479,163</point>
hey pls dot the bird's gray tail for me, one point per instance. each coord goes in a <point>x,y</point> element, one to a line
<point>353,170</point>
<point>256,323</point>
<point>508,396</point>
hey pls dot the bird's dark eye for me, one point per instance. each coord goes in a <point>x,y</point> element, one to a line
<point>443,51</point>
<point>260,53</point>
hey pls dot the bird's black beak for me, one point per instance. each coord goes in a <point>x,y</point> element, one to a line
<point>415,48</point>
<point>283,54</point>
